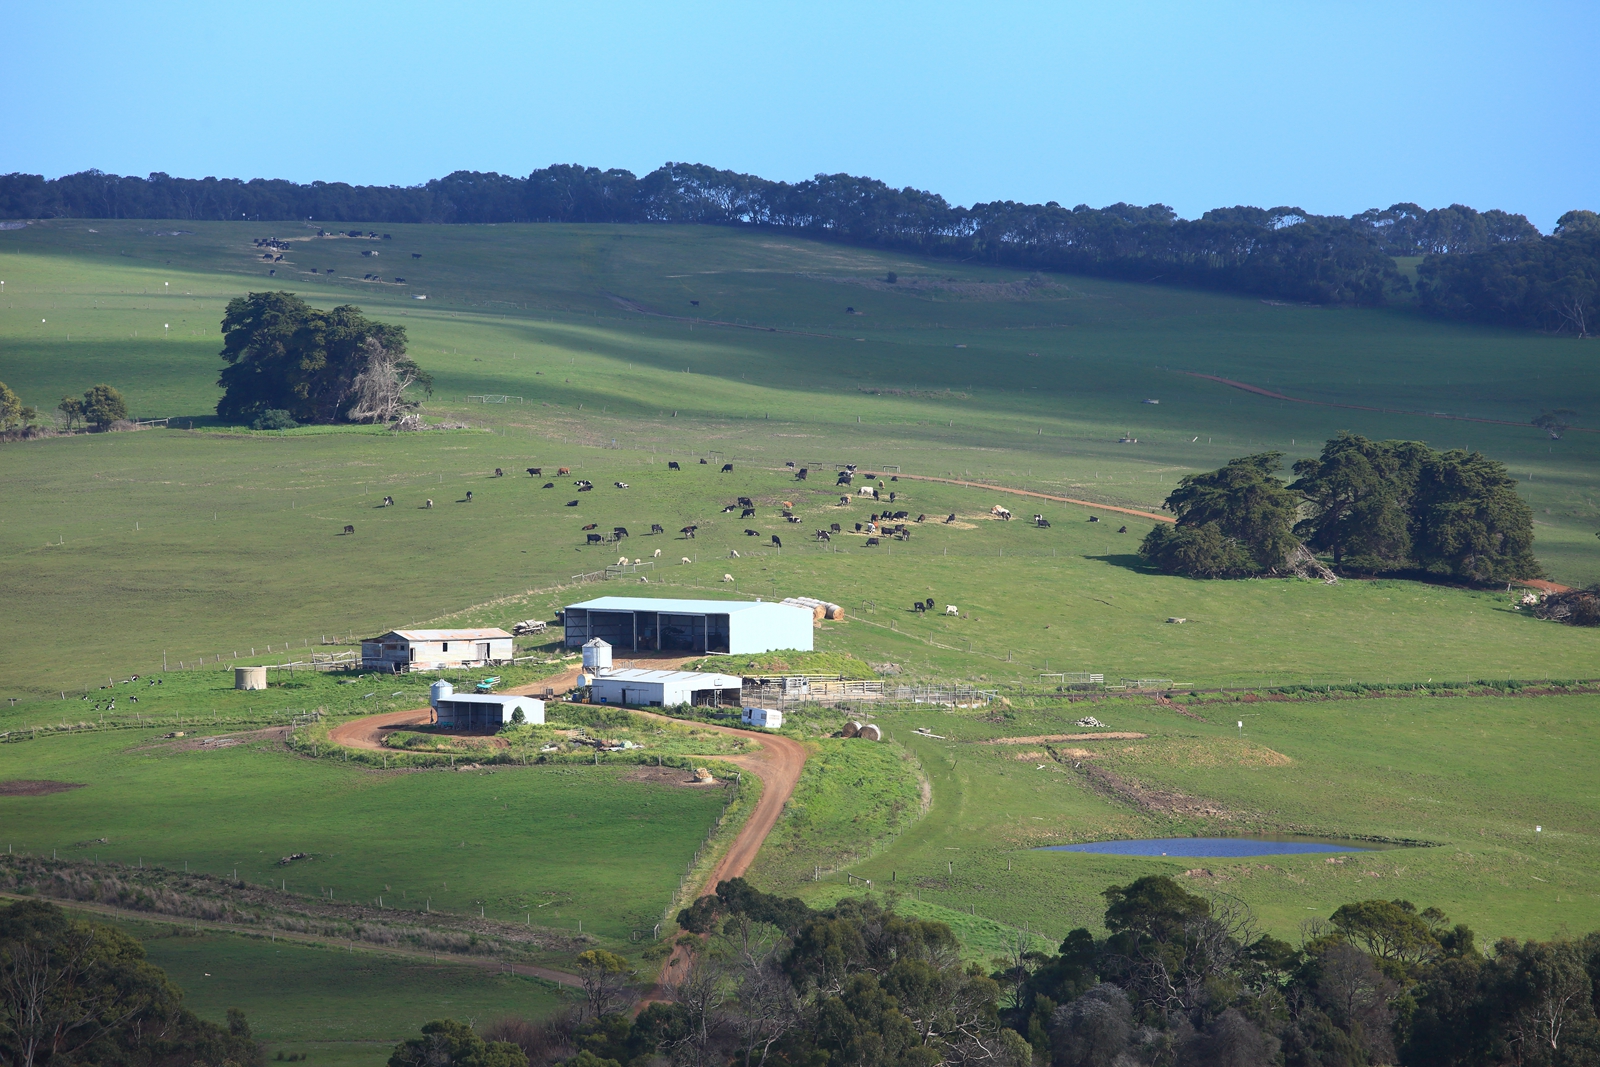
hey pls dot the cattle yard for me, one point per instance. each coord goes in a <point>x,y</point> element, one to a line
<point>965,550</point>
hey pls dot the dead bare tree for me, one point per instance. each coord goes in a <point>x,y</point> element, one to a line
<point>378,391</point>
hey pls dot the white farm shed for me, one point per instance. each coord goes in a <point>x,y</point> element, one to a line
<point>399,651</point>
<point>651,624</point>
<point>481,711</point>
<point>640,688</point>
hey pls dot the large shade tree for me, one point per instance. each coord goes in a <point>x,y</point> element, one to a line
<point>282,354</point>
<point>1232,523</point>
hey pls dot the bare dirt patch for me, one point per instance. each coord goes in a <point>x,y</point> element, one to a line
<point>1045,739</point>
<point>1157,801</point>
<point>219,741</point>
<point>23,787</point>
<point>666,776</point>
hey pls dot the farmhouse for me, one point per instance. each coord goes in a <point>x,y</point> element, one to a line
<point>660,625</point>
<point>640,688</point>
<point>480,711</point>
<point>399,651</point>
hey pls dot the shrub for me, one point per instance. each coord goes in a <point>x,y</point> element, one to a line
<point>274,419</point>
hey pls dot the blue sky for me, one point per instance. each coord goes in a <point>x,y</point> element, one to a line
<point>1333,107</point>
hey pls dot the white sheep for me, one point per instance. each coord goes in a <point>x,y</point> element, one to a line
<point>657,554</point>
<point>686,559</point>
<point>727,577</point>
<point>622,561</point>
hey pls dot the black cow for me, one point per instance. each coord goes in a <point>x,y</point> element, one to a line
<point>469,496</point>
<point>702,463</point>
<point>729,508</point>
<point>891,497</point>
<point>871,541</point>
<point>749,513</point>
<point>619,532</point>
<point>548,485</point>
<point>388,501</point>
<point>349,529</point>
<point>950,517</point>
<point>535,471</point>
<point>1122,529</point>
<point>824,535</point>
<point>922,518</point>
<point>572,503</point>
<point>776,542</point>
<point>727,468</point>
<point>1094,518</point>
<point>1042,522</point>
<point>789,463</point>
<point>672,465</point>
<point>655,528</point>
<point>745,501</point>
<point>918,606</point>
<point>498,473</point>
<point>694,303</point>
<point>596,539</point>
<point>800,475</point>
<point>584,488</point>
<point>834,527</point>
<point>844,478</point>
<point>752,533</point>
<point>416,255</point>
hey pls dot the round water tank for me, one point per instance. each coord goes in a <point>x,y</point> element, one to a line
<point>851,728</point>
<point>596,656</point>
<point>440,690</point>
<point>870,732</point>
<point>249,677</point>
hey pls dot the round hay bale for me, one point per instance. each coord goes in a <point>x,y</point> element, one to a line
<point>870,732</point>
<point>851,728</point>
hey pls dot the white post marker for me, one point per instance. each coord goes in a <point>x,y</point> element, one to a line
<point>1241,729</point>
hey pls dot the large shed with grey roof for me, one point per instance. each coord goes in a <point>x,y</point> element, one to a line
<point>650,624</point>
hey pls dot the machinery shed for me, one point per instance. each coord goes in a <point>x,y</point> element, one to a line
<point>640,688</point>
<point>481,711</point>
<point>736,627</point>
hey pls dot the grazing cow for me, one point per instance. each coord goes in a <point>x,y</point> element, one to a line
<point>561,471</point>
<point>349,529</point>
<point>595,539</point>
<point>871,541</point>
<point>620,485</point>
<point>548,485</point>
<point>858,527</point>
<point>694,303</point>
<point>792,518</point>
<point>918,606</point>
<point>1042,522</point>
<point>748,513</point>
<point>727,468</point>
<point>429,504</point>
<point>800,475</point>
<point>469,496</point>
<point>672,465</point>
<point>776,541</point>
<point>844,502</point>
<point>571,504</point>
<point>656,554</point>
<point>1094,518</point>
<point>928,603</point>
<point>834,527</point>
<point>655,528</point>
<point>585,488</point>
<point>745,501</point>
<point>729,508</point>
<point>824,535</point>
<point>619,532</point>
<point>891,497</point>
<point>702,463</point>
<point>734,552</point>
<point>789,463</point>
<point>844,478</point>
<point>592,526</point>
<point>498,473</point>
<point>414,255</point>
<point>752,533</point>
<point>1122,529</point>
<point>535,471</point>
<point>922,517</point>
<point>388,501</point>
<point>688,531</point>
<point>950,517</point>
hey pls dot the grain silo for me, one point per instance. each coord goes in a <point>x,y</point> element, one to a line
<point>596,657</point>
<point>249,677</point>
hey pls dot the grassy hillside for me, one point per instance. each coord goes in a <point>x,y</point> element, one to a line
<point>953,368</point>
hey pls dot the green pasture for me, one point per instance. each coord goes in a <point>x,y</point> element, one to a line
<point>341,1008</point>
<point>560,845</point>
<point>1464,780</point>
<point>188,546</point>
<point>958,368</point>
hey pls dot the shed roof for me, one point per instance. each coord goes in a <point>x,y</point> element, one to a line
<point>489,698</point>
<point>643,674</point>
<point>446,635</point>
<point>680,607</point>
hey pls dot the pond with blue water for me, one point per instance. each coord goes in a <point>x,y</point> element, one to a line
<point>1210,847</point>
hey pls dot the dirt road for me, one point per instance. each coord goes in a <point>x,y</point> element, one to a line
<point>1041,496</point>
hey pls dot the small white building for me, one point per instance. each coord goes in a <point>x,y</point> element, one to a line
<point>768,718</point>
<point>480,711</point>
<point>399,651</point>
<point>641,688</point>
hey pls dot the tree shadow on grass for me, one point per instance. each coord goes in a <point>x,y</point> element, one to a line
<point>1130,561</point>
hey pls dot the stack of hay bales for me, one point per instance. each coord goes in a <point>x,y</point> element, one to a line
<point>864,730</point>
<point>820,609</point>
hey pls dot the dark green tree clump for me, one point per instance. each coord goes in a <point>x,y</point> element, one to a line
<point>1237,522</point>
<point>288,362</point>
<point>1377,507</point>
<point>73,992</point>
<point>100,407</point>
<point>1399,506</point>
<point>1550,284</point>
<point>13,413</point>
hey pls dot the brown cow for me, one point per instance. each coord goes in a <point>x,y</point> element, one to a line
<point>563,470</point>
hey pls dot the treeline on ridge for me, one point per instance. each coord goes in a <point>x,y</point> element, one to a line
<point>1281,252</point>
<point>1375,507</point>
